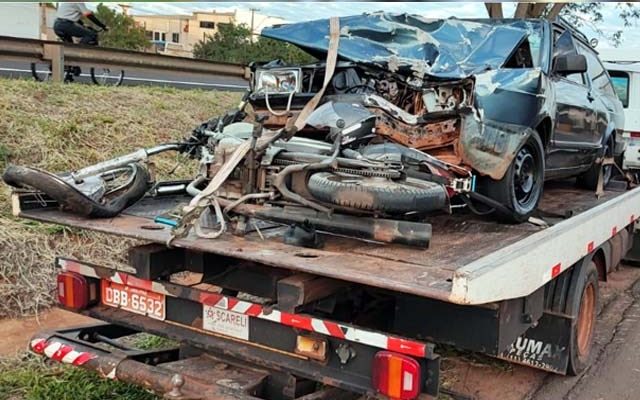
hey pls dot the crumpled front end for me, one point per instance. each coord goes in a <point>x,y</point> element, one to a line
<point>507,107</point>
<point>490,147</point>
<point>464,91</point>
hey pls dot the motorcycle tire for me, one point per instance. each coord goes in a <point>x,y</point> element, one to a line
<point>72,199</point>
<point>377,194</point>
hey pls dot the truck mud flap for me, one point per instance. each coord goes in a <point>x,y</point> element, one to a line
<point>545,346</point>
<point>96,348</point>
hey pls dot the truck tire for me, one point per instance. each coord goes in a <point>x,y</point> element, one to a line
<point>589,180</point>
<point>377,194</point>
<point>520,189</point>
<point>583,303</point>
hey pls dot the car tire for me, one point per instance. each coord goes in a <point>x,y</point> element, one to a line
<point>520,189</point>
<point>589,180</point>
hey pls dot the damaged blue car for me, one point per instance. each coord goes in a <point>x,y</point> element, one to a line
<point>509,102</point>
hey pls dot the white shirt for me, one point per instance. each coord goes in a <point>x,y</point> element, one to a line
<point>71,11</point>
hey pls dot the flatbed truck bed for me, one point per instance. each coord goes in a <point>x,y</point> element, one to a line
<point>458,252</point>
<point>518,288</point>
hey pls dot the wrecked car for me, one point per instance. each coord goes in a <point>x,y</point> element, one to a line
<point>401,117</point>
<point>513,102</point>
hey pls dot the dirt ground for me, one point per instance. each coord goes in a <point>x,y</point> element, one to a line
<point>15,333</point>
<point>614,374</point>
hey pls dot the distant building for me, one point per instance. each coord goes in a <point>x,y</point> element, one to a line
<point>177,34</point>
<point>27,20</point>
<point>170,34</point>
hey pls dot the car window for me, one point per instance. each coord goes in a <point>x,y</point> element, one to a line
<point>598,75</point>
<point>564,44</point>
<point>535,44</point>
<point>620,80</point>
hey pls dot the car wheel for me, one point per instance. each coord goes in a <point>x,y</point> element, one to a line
<point>520,189</point>
<point>589,180</point>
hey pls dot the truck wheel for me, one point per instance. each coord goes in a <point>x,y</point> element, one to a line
<point>520,189</point>
<point>377,194</point>
<point>589,180</point>
<point>586,299</point>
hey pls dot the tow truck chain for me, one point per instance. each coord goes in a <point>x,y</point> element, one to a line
<point>394,174</point>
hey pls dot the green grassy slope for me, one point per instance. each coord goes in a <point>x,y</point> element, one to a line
<point>59,128</point>
<point>63,127</point>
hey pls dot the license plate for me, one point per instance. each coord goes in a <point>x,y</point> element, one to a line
<point>225,322</point>
<point>135,300</point>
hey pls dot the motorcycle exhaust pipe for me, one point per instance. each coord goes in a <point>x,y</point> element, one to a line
<point>378,229</point>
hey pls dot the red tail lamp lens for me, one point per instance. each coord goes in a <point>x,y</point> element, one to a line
<point>396,376</point>
<point>76,291</point>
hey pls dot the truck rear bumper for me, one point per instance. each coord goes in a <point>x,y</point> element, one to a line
<point>166,372</point>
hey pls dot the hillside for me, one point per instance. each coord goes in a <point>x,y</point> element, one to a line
<point>63,127</point>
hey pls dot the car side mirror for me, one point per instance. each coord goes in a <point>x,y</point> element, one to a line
<point>570,64</point>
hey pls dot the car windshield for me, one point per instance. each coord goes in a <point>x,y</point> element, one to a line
<point>413,45</point>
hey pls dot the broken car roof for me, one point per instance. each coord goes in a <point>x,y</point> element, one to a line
<point>412,45</point>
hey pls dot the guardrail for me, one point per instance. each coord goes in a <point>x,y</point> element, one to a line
<point>58,53</point>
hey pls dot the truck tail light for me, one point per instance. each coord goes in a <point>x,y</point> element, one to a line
<point>396,376</point>
<point>76,291</point>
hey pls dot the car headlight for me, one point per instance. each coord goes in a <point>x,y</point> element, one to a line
<point>278,80</point>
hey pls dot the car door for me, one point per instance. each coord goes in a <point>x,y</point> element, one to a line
<point>571,144</point>
<point>601,95</point>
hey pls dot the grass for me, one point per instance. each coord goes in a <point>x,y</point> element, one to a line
<point>31,378</point>
<point>64,127</point>
<point>60,128</point>
<point>145,341</point>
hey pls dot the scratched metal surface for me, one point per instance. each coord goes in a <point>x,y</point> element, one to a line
<point>457,241</point>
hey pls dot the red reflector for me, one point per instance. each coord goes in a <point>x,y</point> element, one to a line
<point>634,134</point>
<point>75,291</point>
<point>396,376</point>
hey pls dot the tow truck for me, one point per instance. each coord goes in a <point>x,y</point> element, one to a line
<point>256,318</point>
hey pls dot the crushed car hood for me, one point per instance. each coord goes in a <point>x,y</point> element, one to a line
<point>412,45</point>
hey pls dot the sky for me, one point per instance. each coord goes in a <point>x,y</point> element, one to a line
<point>306,10</point>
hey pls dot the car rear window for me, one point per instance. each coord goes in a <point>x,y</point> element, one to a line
<point>620,80</point>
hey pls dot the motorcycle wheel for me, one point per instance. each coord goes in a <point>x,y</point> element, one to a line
<point>106,76</point>
<point>41,72</point>
<point>377,194</point>
<point>120,193</point>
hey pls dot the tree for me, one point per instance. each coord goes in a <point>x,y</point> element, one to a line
<point>265,49</point>
<point>579,14</point>
<point>123,31</point>
<point>232,43</point>
<point>590,14</point>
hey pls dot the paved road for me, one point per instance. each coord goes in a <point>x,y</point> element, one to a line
<point>138,76</point>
